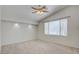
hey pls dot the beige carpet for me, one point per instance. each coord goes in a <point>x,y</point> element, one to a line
<point>37,47</point>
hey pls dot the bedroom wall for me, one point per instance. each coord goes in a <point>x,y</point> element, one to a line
<point>73,27</point>
<point>12,33</point>
<point>0,30</point>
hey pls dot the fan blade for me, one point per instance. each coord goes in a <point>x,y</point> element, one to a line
<point>34,11</point>
<point>45,11</point>
<point>33,8</point>
<point>44,7</point>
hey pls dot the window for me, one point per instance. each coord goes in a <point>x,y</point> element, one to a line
<point>58,27</point>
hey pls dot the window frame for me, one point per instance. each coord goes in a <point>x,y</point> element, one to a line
<point>59,26</point>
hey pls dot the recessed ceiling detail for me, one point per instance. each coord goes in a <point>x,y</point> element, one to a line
<point>23,13</point>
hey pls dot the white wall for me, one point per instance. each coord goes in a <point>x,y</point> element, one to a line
<point>0,30</point>
<point>15,34</point>
<point>73,27</point>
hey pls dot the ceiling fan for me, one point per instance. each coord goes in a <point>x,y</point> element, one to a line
<point>39,9</point>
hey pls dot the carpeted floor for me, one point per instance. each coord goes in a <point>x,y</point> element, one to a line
<point>37,47</point>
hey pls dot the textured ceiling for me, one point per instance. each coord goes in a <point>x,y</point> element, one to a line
<point>24,12</point>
